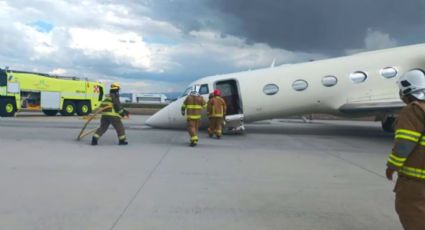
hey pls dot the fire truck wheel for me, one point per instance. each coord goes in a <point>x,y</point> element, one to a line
<point>7,107</point>
<point>83,108</point>
<point>49,112</point>
<point>68,108</point>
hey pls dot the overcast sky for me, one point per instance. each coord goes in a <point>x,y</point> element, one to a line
<point>162,45</point>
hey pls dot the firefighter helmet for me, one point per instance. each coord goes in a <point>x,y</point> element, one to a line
<point>116,85</point>
<point>194,93</point>
<point>412,83</point>
<point>217,92</point>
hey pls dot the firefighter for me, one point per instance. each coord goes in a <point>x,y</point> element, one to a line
<point>408,153</point>
<point>112,116</point>
<point>192,107</point>
<point>216,111</point>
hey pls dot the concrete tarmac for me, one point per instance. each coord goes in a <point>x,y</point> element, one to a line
<point>282,174</point>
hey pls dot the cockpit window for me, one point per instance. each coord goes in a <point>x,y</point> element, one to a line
<point>201,89</point>
<point>187,91</point>
<point>204,89</point>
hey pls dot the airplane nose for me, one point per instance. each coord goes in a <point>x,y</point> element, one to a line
<point>169,117</point>
<point>159,119</point>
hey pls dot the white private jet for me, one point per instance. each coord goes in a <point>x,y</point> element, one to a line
<point>362,84</point>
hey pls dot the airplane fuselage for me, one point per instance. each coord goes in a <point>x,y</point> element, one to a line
<point>340,86</point>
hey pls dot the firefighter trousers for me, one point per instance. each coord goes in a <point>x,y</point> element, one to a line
<point>116,122</point>
<point>215,126</point>
<point>192,128</point>
<point>410,203</point>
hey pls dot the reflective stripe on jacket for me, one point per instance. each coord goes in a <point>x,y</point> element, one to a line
<point>113,101</point>
<point>216,107</point>
<point>193,106</point>
<point>408,152</point>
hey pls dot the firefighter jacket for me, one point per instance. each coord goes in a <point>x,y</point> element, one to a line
<point>408,152</point>
<point>113,101</point>
<point>216,107</point>
<point>193,106</point>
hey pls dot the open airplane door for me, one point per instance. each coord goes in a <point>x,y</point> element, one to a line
<point>234,115</point>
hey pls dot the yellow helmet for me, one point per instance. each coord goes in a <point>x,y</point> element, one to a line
<point>115,85</point>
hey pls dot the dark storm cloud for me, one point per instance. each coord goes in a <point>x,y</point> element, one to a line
<point>325,25</point>
<point>328,26</point>
<point>187,15</point>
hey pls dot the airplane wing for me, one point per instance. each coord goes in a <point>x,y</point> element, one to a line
<point>387,107</point>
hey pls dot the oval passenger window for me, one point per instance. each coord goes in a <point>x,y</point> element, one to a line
<point>358,77</point>
<point>388,72</point>
<point>270,89</point>
<point>299,85</point>
<point>329,81</point>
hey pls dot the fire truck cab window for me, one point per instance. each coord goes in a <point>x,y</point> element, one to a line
<point>3,77</point>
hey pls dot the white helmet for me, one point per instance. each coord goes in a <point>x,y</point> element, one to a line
<point>194,93</point>
<point>413,83</point>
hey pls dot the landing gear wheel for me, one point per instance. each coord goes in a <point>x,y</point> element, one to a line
<point>68,108</point>
<point>7,107</point>
<point>83,108</point>
<point>388,124</point>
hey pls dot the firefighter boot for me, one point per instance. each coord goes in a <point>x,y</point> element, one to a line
<point>94,141</point>
<point>123,142</point>
<point>193,143</point>
<point>210,133</point>
<point>218,134</point>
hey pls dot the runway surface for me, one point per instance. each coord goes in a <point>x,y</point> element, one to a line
<point>282,174</point>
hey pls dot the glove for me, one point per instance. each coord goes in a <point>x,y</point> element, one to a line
<point>389,173</point>
<point>124,113</point>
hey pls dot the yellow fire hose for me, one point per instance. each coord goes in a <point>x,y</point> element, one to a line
<point>82,133</point>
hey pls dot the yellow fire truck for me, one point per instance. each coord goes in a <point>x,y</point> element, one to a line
<point>48,93</point>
